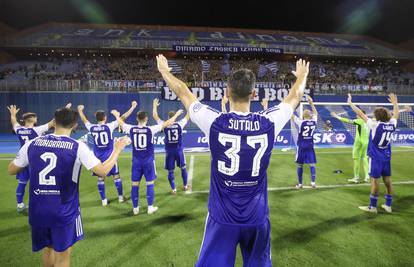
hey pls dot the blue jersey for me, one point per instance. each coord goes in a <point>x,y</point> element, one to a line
<point>241,145</point>
<point>26,134</point>
<point>174,135</point>
<point>102,137</point>
<point>55,164</point>
<point>142,140</point>
<point>379,146</point>
<point>306,131</point>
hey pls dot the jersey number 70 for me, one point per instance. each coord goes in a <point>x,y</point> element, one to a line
<point>232,152</point>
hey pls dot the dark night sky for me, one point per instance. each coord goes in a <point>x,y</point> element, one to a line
<point>389,20</point>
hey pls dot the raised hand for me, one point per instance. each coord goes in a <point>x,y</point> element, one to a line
<point>265,103</point>
<point>392,98</point>
<point>68,105</point>
<point>156,102</point>
<point>349,99</point>
<point>134,104</point>
<point>302,69</point>
<point>224,99</point>
<point>162,64</point>
<point>179,112</point>
<point>13,109</point>
<point>408,108</point>
<point>115,113</point>
<point>310,100</point>
<point>81,107</point>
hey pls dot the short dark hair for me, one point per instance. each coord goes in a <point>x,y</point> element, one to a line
<point>66,117</point>
<point>241,83</point>
<point>26,117</point>
<point>171,114</point>
<point>382,114</point>
<point>142,115</point>
<point>100,115</point>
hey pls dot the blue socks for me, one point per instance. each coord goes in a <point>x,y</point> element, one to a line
<point>20,192</point>
<point>135,195</point>
<point>373,199</point>
<point>171,179</point>
<point>150,194</point>
<point>313,173</point>
<point>300,172</point>
<point>118,185</point>
<point>388,200</point>
<point>184,174</point>
<point>101,188</point>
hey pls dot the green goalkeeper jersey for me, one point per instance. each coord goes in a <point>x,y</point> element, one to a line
<point>362,131</point>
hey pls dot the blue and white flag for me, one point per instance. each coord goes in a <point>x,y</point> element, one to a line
<point>175,68</point>
<point>362,72</point>
<point>205,66</point>
<point>273,67</point>
<point>262,71</point>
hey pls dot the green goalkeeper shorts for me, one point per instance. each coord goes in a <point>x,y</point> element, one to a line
<point>359,150</point>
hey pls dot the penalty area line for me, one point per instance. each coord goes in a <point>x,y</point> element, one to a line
<point>287,188</point>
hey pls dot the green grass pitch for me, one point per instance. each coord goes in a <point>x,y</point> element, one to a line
<point>310,227</point>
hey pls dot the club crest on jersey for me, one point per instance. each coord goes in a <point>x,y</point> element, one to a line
<point>197,107</point>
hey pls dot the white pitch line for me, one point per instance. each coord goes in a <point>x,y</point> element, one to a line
<point>285,188</point>
<point>190,174</point>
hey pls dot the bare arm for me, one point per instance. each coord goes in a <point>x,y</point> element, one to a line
<point>356,109</point>
<point>82,115</point>
<point>155,105</point>
<point>130,110</point>
<point>13,169</point>
<point>310,101</point>
<point>105,167</point>
<point>297,90</point>
<point>13,114</point>
<point>172,119</point>
<point>224,101</point>
<point>393,99</point>
<point>265,103</point>
<point>118,118</point>
<point>187,116</point>
<point>175,84</point>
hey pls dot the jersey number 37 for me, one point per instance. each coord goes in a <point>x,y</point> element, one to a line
<point>233,152</point>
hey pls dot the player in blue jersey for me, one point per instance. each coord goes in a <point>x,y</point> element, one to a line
<point>379,150</point>
<point>55,162</point>
<point>143,162</point>
<point>305,154</point>
<point>25,133</point>
<point>174,153</point>
<point>241,144</point>
<point>103,146</point>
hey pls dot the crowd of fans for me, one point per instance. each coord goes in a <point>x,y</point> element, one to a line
<point>144,68</point>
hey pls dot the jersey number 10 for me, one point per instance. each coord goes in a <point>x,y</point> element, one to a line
<point>232,152</point>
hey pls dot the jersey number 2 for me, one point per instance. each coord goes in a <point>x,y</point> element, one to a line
<point>51,180</point>
<point>232,152</point>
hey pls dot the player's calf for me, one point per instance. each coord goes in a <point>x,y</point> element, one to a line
<point>150,197</point>
<point>171,180</point>
<point>313,175</point>
<point>118,184</point>
<point>101,189</point>
<point>135,197</point>
<point>299,171</point>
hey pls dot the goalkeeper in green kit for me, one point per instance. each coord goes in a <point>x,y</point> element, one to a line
<point>359,151</point>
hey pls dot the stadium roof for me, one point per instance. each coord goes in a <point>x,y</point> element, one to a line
<point>202,39</point>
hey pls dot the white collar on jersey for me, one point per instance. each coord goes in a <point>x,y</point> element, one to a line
<point>240,112</point>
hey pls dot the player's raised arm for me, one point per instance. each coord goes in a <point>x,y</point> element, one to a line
<point>224,101</point>
<point>118,118</point>
<point>13,115</point>
<point>394,101</point>
<point>128,113</point>
<point>155,104</point>
<point>336,116</point>
<point>175,84</point>
<point>82,115</point>
<point>356,109</point>
<point>298,88</point>
<point>103,168</point>
<point>172,119</point>
<point>314,111</point>
<point>265,103</point>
